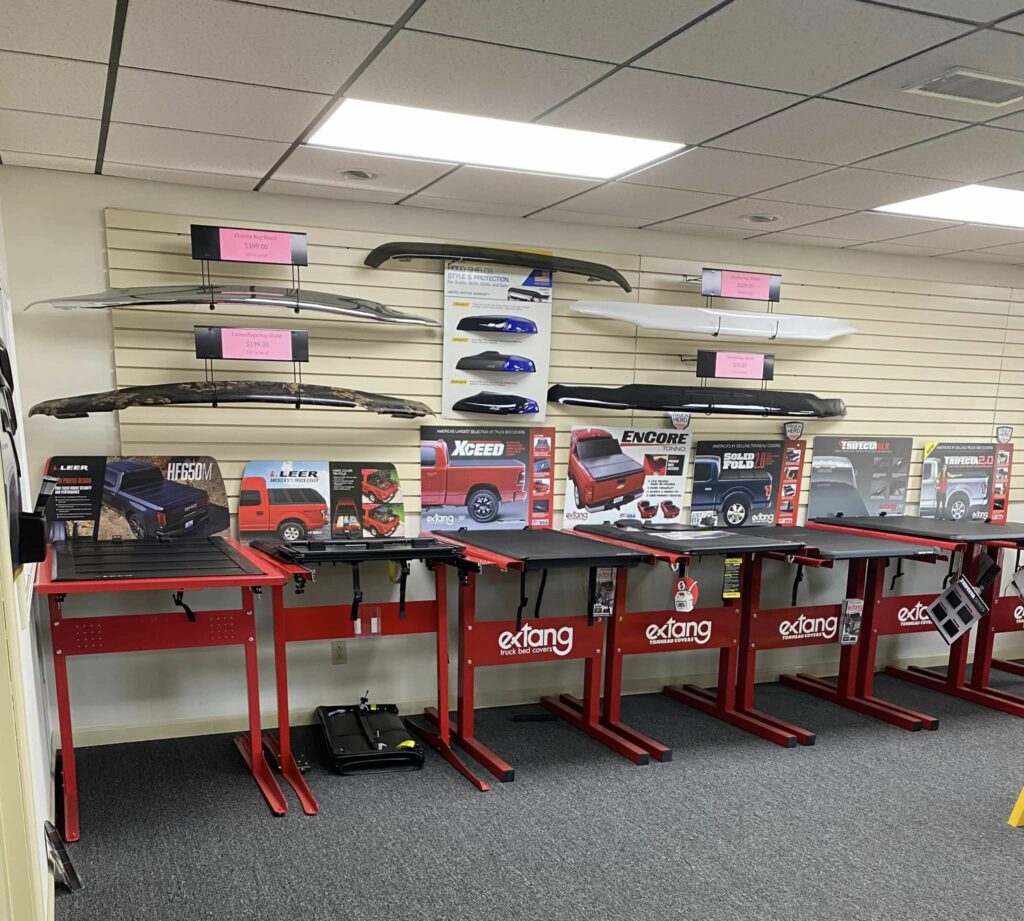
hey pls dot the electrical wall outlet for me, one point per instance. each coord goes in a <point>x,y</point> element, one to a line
<point>339,652</point>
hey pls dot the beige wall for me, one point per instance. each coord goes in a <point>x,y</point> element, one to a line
<point>935,357</point>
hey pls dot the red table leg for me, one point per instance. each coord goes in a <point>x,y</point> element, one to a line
<point>250,744</point>
<point>280,745</point>
<point>71,829</point>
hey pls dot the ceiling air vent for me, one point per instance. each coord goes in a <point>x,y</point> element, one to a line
<point>964,85</point>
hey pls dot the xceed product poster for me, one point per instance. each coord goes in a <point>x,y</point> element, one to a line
<point>859,475</point>
<point>625,473</point>
<point>497,341</point>
<point>966,480</point>
<point>486,479</point>
<point>135,498</point>
<point>320,500</point>
<point>745,483</point>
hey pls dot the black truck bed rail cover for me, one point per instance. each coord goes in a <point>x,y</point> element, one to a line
<point>839,545</point>
<point>357,551</point>
<point>692,541</point>
<point>544,549</point>
<point>89,560</point>
<point>963,532</point>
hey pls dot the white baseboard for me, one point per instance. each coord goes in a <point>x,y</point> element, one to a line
<point>174,729</point>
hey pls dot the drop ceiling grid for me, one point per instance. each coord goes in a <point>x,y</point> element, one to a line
<point>925,363</point>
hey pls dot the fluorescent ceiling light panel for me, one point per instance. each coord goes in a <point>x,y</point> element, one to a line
<point>972,204</point>
<point>426,134</point>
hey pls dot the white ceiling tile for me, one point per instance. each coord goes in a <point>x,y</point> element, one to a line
<point>33,132</point>
<point>798,239</point>
<point>701,230</point>
<point>803,46</point>
<point>191,150</point>
<point>40,84</point>
<point>646,203</point>
<point>1013,181</point>
<point>971,155</point>
<point>727,172</point>
<point>856,188</point>
<point>986,51</point>
<point>177,176</point>
<point>383,11</point>
<point>975,11</point>
<point>585,217</point>
<point>600,29</point>
<point>731,214</point>
<point>1010,249</point>
<point>79,29</point>
<point>966,236</point>
<point>453,75</point>
<point>318,190</point>
<point>1016,24</point>
<point>898,249</point>
<point>833,132</point>
<point>528,190</point>
<point>985,257</point>
<point>665,107</point>
<point>245,42</point>
<point>45,161</point>
<point>1013,122</point>
<point>508,209</point>
<point>867,227</point>
<point>323,166</point>
<point>146,97</point>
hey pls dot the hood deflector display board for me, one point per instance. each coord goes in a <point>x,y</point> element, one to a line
<point>352,308</point>
<point>730,401</point>
<point>213,393</point>
<point>386,251</point>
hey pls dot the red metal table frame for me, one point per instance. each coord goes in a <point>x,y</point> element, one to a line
<point>494,642</point>
<point>76,636</point>
<point>334,621</point>
<point>901,614</point>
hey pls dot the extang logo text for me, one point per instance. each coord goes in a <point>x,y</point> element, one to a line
<point>805,627</point>
<point>534,640</point>
<point>913,617</point>
<point>679,631</point>
<point>1018,614</point>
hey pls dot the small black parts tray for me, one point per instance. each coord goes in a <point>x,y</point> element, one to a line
<point>357,551</point>
<point>691,541</point>
<point>838,545</point>
<point>403,250</point>
<point>544,549</point>
<point>104,560</point>
<point>961,532</point>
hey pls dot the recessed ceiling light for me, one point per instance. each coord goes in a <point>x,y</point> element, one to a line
<point>972,204</point>
<point>357,175</point>
<point>761,218</point>
<point>427,134</point>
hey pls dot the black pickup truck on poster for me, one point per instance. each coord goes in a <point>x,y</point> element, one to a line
<point>742,483</point>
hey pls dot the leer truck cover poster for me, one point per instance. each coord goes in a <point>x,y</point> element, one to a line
<point>486,478</point>
<point>745,483</point>
<point>618,473</point>
<point>966,480</point>
<point>300,499</point>
<point>859,475</point>
<point>136,498</point>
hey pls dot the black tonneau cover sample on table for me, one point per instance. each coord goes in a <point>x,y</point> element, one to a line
<point>542,549</point>
<point>838,545</point>
<point>88,560</point>
<point>356,551</point>
<point>965,532</point>
<point>694,541</point>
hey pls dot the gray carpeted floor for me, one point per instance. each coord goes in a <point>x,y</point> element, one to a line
<point>870,823</point>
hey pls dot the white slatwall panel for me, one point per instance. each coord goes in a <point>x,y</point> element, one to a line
<point>928,360</point>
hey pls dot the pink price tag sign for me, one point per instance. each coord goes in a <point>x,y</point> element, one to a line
<point>258,344</point>
<point>739,365</point>
<point>749,286</point>
<point>240,245</point>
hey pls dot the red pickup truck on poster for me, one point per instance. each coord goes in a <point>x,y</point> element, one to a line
<point>291,511</point>
<point>602,475</point>
<point>379,486</point>
<point>480,484</point>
